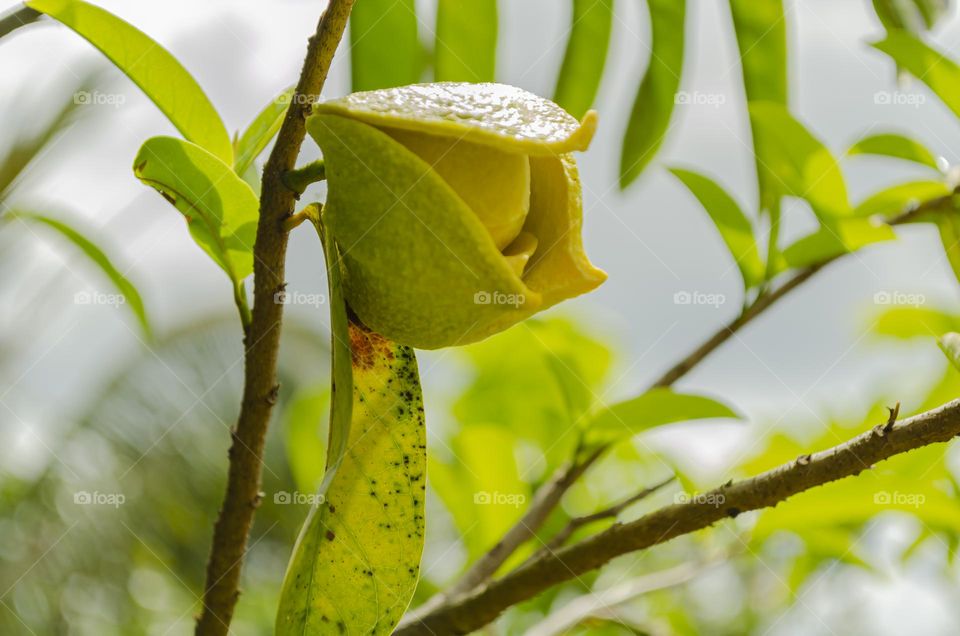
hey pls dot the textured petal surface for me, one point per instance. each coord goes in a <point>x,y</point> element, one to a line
<point>495,114</point>
<point>420,268</point>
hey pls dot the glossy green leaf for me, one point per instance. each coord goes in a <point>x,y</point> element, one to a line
<point>801,164</point>
<point>949,226</point>
<point>653,106</point>
<point>950,345</point>
<point>734,226</point>
<point>896,146</point>
<point>220,208</point>
<point>649,410</point>
<point>899,198</point>
<point>761,30</point>
<point>385,48</point>
<point>465,49</point>
<point>836,237</point>
<point>928,65</point>
<point>149,66</point>
<point>356,563</point>
<point>914,322</point>
<point>261,130</point>
<point>586,54</point>
<point>129,293</point>
<point>304,421</point>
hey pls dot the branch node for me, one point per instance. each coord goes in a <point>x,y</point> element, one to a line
<point>733,512</point>
<point>273,394</point>
<point>803,460</point>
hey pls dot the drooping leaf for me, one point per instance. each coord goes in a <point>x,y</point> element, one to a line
<point>304,419</point>
<point>385,49</point>
<point>356,563</point>
<point>914,322</point>
<point>128,291</point>
<point>761,30</point>
<point>900,198</point>
<point>653,106</point>
<point>260,131</point>
<point>801,164</point>
<point>836,237</point>
<point>221,209</point>
<point>928,65</point>
<point>161,77</point>
<point>734,226</point>
<point>465,48</point>
<point>896,146</point>
<point>586,54</point>
<point>950,345</point>
<point>649,410</point>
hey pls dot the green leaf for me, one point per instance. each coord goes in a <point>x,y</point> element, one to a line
<point>734,227</point>
<point>900,198</point>
<point>260,131</point>
<point>304,420</point>
<point>928,65</point>
<point>385,49</point>
<point>801,164</point>
<point>649,410</point>
<point>915,16</point>
<point>128,291</point>
<point>355,566</point>
<point>836,237</point>
<point>586,54</point>
<point>653,106</point>
<point>466,41</point>
<point>761,29</point>
<point>914,322</point>
<point>221,209</point>
<point>896,146</point>
<point>950,345</point>
<point>149,66</point>
<point>949,225</point>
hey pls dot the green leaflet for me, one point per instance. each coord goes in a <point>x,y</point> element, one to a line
<point>221,209</point>
<point>96,255</point>
<point>899,198</point>
<point>355,565</point>
<point>654,408</point>
<point>928,65</point>
<point>896,146</point>
<point>914,322</point>
<point>653,106</point>
<point>734,227</point>
<point>586,54</point>
<point>385,49</point>
<point>260,131</point>
<point>915,16</point>
<point>950,345</point>
<point>949,226</point>
<point>836,237</point>
<point>149,66</point>
<point>302,436</point>
<point>801,164</point>
<point>466,41</point>
<point>761,29</point>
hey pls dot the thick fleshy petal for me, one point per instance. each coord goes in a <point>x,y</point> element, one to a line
<point>420,268</point>
<point>504,116</point>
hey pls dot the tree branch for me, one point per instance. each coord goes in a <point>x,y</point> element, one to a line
<point>262,340</point>
<point>470,612</point>
<point>14,18</point>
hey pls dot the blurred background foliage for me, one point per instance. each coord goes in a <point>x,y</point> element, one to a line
<point>151,424</point>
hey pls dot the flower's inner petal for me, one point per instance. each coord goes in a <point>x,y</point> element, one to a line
<point>519,252</point>
<point>493,183</point>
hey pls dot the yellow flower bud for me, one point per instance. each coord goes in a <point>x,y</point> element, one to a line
<point>456,207</point>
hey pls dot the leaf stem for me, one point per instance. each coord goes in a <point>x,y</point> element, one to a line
<point>299,179</point>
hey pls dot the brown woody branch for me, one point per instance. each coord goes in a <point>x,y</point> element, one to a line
<point>470,612</point>
<point>262,341</point>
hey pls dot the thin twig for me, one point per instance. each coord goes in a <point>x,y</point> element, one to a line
<point>17,17</point>
<point>470,612</point>
<point>262,341</point>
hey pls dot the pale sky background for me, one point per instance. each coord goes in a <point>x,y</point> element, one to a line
<point>809,356</point>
